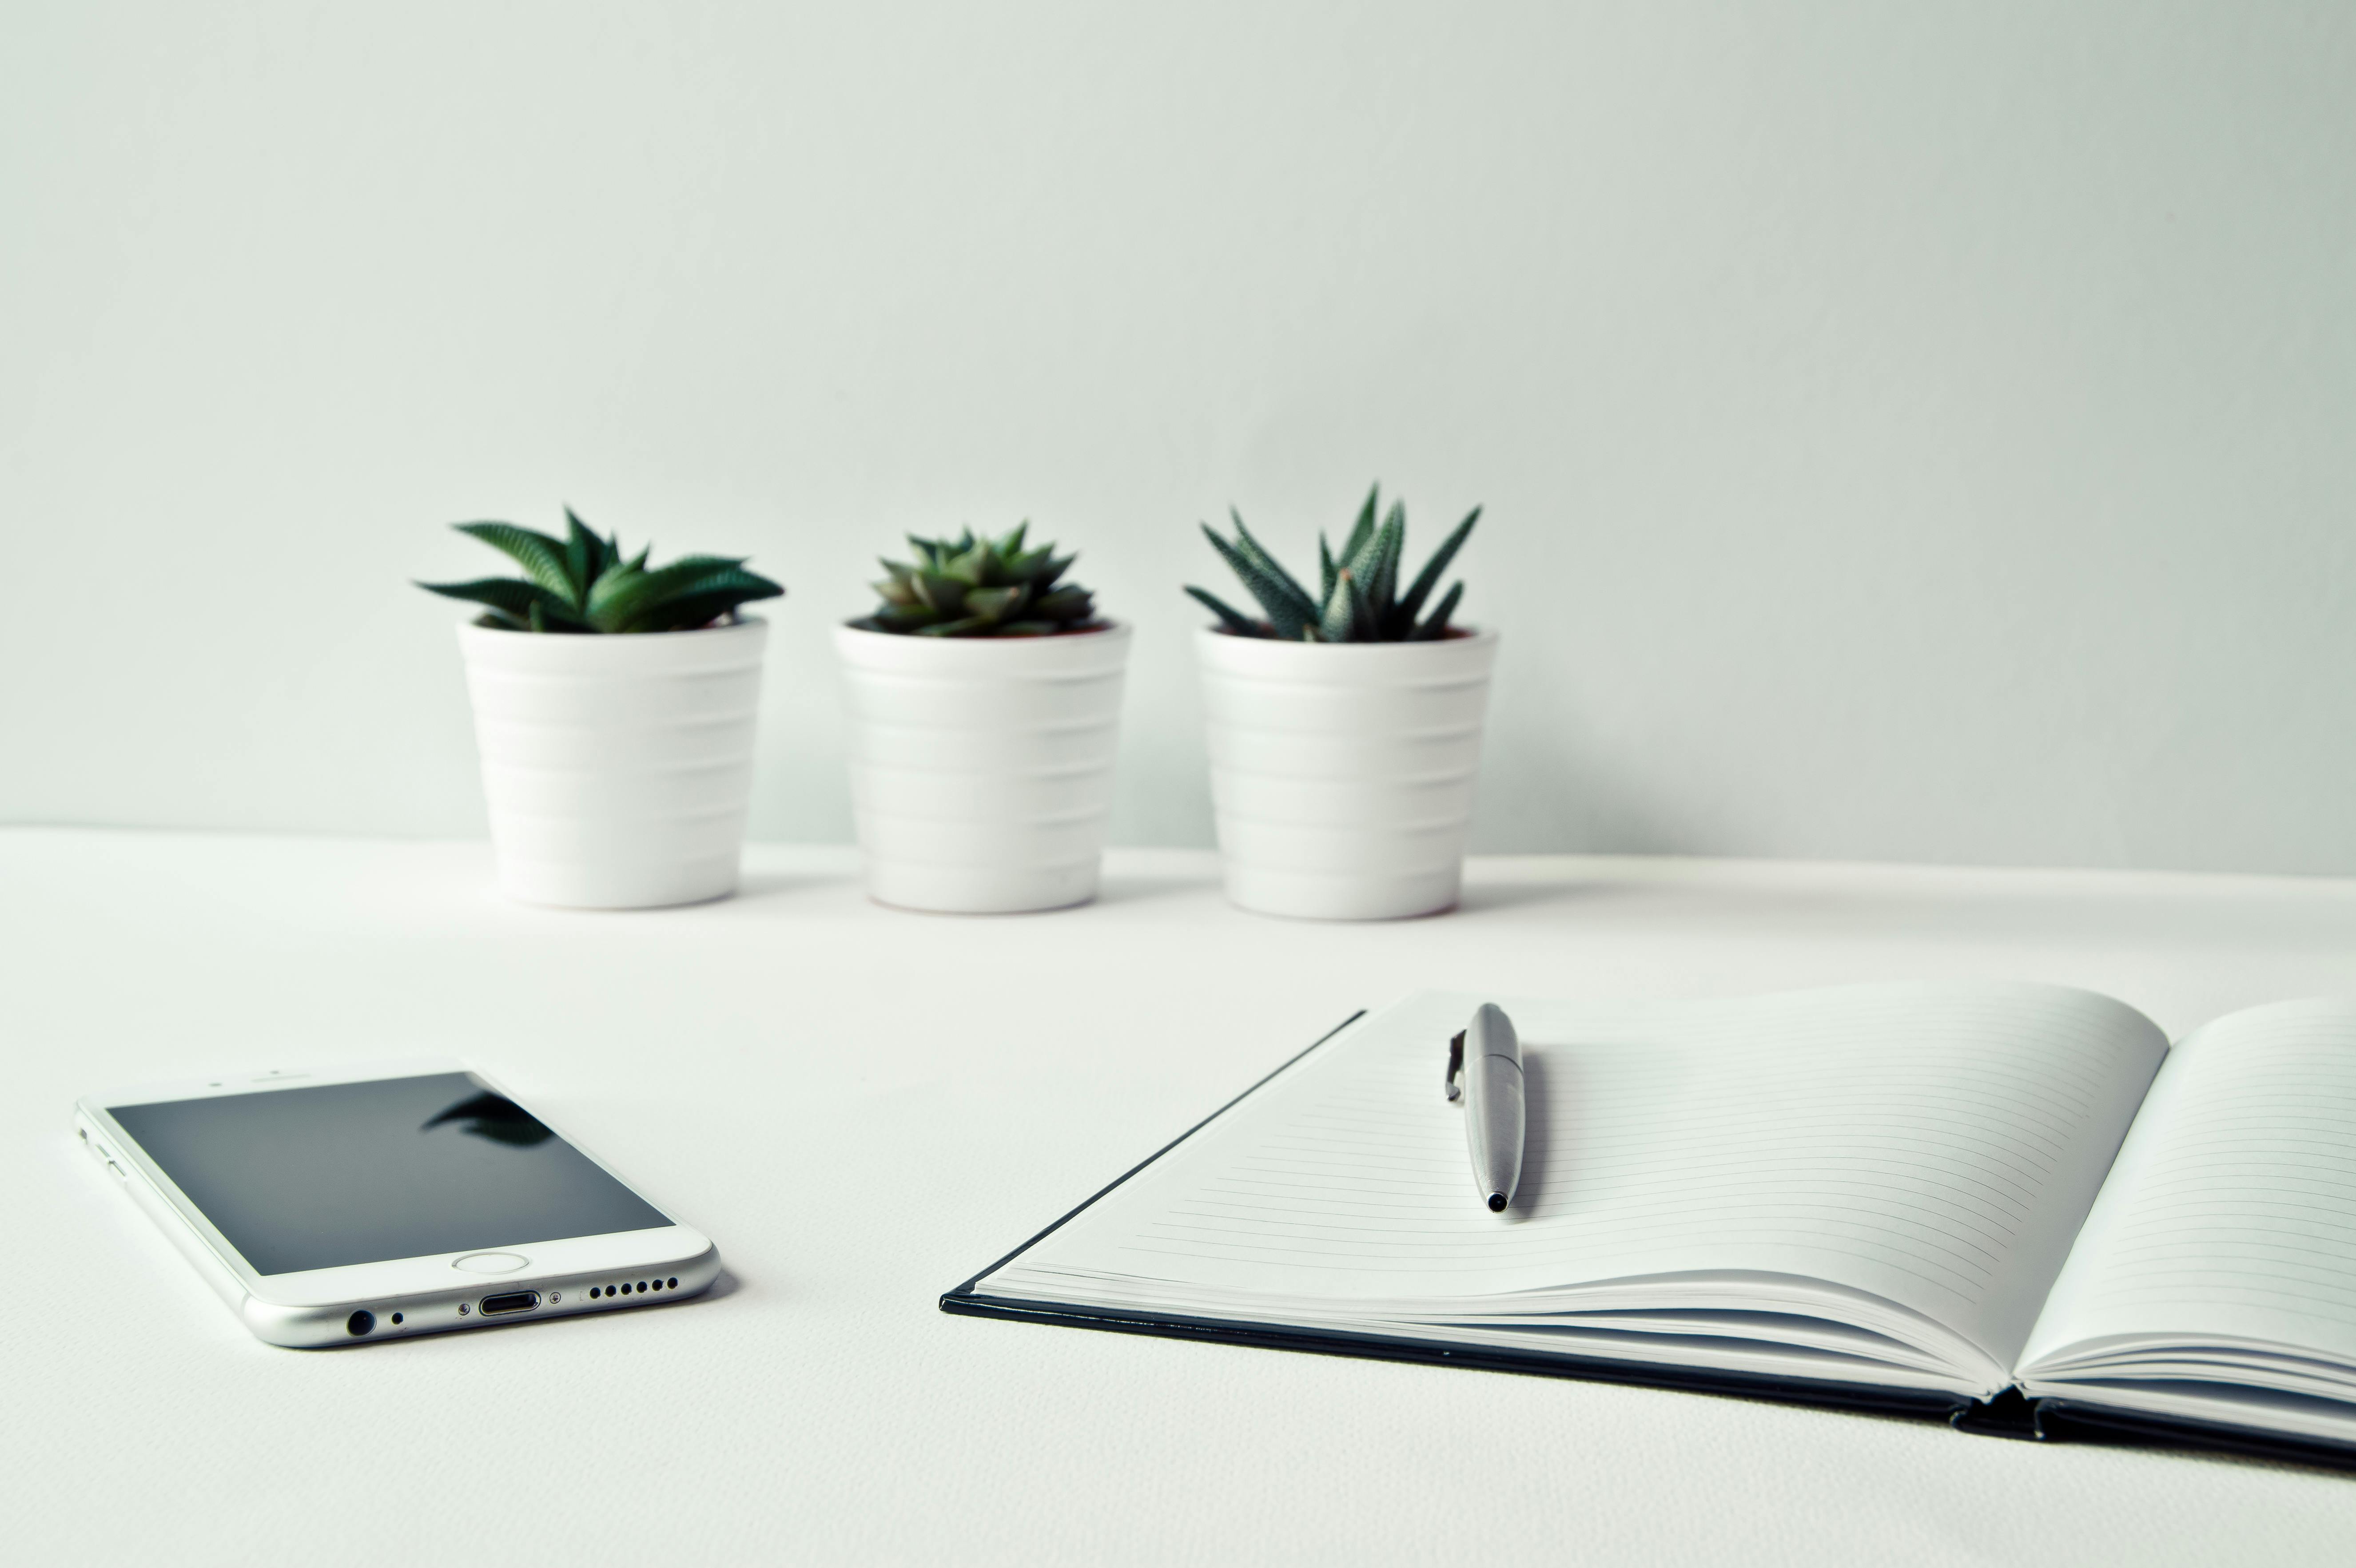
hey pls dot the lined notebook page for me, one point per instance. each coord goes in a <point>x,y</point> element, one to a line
<point>1933,1144</point>
<point>2232,1210</point>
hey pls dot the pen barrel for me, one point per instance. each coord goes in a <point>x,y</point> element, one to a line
<point>1494,1123</point>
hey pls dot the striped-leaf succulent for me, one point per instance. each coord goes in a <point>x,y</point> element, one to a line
<point>969,587</point>
<point>1358,597</point>
<point>584,584</point>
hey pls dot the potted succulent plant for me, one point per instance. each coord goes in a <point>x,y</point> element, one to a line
<point>985,700</point>
<point>614,707</point>
<point>1345,727</point>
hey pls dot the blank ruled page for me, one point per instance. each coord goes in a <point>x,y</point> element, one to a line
<point>1935,1145</point>
<point>2231,1213</point>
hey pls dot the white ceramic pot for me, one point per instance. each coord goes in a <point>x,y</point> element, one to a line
<point>1342,774</point>
<point>617,768</point>
<point>981,767</point>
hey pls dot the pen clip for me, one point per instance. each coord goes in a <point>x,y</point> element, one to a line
<point>1456,1066</point>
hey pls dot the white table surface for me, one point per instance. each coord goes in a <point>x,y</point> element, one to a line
<point>740,1058</point>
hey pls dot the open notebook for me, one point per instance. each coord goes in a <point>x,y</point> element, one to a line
<point>1966,1198</point>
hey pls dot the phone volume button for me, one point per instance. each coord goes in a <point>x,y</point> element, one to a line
<point>118,1172</point>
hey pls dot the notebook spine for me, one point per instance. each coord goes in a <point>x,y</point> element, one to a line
<point>2007,1414</point>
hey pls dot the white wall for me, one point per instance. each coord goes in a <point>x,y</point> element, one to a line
<point>1915,432</point>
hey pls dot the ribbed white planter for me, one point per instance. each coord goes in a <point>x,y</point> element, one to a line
<point>617,768</point>
<point>981,767</point>
<point>1342,774</point>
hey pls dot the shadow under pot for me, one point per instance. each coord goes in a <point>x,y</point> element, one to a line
<point>617,769</point>
<point>1342,774</point>
<point>981,768</point>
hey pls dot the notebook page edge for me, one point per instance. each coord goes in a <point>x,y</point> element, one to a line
<point>2196,1162</point>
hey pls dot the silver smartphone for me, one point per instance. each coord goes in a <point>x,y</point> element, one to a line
<point>383,1201</point>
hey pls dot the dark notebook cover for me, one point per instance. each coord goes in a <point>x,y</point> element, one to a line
<point>2006,1415</point>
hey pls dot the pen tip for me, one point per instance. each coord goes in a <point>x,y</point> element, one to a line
<point>1496,1203</point>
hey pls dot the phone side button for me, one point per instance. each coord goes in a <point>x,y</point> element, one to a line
<point>118,1172</point>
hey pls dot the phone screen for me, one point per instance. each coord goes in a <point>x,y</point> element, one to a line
<point>334,1174</point>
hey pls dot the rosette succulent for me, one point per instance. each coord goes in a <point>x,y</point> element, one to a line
<point>584,584</point>
<point>1359,599</point>
<point>969,587</point>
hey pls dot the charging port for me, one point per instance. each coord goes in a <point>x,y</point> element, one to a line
<point>513,1301</point>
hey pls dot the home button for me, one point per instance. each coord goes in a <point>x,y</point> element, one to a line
<point>491,1262</point>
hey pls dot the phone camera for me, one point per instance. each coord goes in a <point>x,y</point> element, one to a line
<point>359,1323</point>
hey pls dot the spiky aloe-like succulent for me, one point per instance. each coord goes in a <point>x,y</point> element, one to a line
<point>969,587</point>
<point>584,584</point>
<point>1358,598</point>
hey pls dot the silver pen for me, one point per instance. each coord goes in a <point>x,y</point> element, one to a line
<point>1485,1078</point>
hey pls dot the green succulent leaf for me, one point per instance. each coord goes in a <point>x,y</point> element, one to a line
<point>895,618</point>
<point>1363,565</point>
<point>584,557</point>
<point>1340,622</point>
<point>1362,528</point>
<point>975,586</point>
<point>966,626</point>
<point>1436,627</point>
<point>1410,605</point>
<point>971,565</point>
<point>1362,608</point>
<point>1287,614</point>
<point>1070,604</point>
<point>1358,600</point>
<point>583,584</point>
<point>700,605</point>
<point>622,600</point>
<point>542,557</point>
<point>511,601</point>
<point>997,603</point>
<point>939,592</point>
<point>505,595</point>
<point>1390,543</point>
<point>1232,619</point>
<point>1259,557</point>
